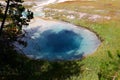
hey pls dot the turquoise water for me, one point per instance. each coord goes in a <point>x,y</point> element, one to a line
<point>60,41</point>
<point>54,40</point>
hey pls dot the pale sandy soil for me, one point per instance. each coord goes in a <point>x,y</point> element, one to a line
<point>71,14</point>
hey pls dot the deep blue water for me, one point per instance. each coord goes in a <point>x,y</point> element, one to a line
<point>60,45</point>
<point>59,42</point>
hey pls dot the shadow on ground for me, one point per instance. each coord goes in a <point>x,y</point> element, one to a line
<point>14,66</point>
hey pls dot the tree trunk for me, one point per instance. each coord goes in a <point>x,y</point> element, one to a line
<point>4,17</point>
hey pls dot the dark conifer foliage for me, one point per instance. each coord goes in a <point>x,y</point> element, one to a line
<point>18,15</point>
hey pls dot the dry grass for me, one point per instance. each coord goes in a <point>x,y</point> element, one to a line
<point>109,8</point>
<point>108,30</point>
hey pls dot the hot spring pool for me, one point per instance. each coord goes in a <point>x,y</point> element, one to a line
<point>58,41</point>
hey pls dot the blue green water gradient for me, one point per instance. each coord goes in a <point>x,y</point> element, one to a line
<point>60,41</point>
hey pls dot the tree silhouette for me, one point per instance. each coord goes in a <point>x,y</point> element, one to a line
<point>4,17</point>
<point>18,14</point>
